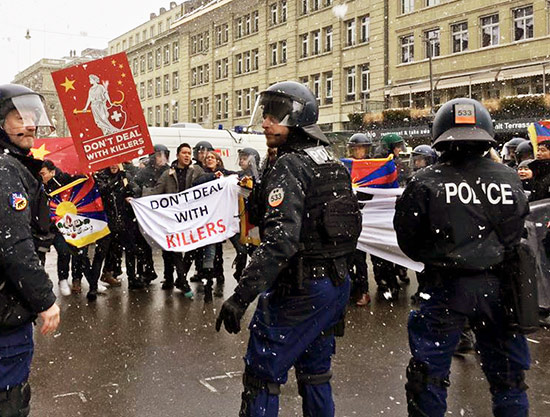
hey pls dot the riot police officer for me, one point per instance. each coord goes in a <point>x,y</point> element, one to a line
<point>360,146</point>
<point>421,157</point>
<point>200,150</point>
<point>445,219</point>
<point>509,151</point>
<point>25,290</point>
<point>309,222</point>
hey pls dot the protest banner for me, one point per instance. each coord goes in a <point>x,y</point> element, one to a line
<point>77,211</point>
<point>103,112</point>
<point>196,217</point>
<point>378,236</point>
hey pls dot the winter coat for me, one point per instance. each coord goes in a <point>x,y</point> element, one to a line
<point>20,271</point>
<point>210,175</point>
<point>147,177</point>
<point>168,181</point>
<point>540,183</point>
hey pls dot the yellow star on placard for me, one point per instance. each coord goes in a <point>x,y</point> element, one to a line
<point>40,153</point>
<point>113,62</point>
<point>68,84</point>
<point>119,82</point>
<point>123,75</point>
<point>120,66</point>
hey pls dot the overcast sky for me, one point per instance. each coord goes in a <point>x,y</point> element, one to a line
<point>58,26</point>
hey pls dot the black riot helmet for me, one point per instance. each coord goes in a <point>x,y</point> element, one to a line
<point>510,148</point>
<point>358,142</point>
<point>422,156</point>
<point>162,148</point>
<point>250,152</point>
<point>462,121</point>
<point>202,145</point>
<point>524,151</point>
<point>28,103</point>
<point>291,104</point>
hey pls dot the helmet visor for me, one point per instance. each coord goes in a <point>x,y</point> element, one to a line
<point>277,108</point>
<point>31,109</point>
<point>418,161</point>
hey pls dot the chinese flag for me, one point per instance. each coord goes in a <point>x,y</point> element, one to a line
<point>59,150</point>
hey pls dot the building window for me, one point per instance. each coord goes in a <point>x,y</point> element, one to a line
<point>175,81</point>
<point>432,3</point>
<point>255,21</point>
<point>137,38</point>
<point>273,47</point>
<point>193,77</point>
<point>175,112</point>
<point>283,11</point>
<point>218,35</point>
<point>150,116</point>
<point>407,6</point>
<point>238,103</point>
<point>315,4</point>
<point>218,106</point>
<point>317,87</point>
<point>225,99</point>
<point>239,31</point>
<point>142,90</point>
<point>157,116</point>
<point>150,61</point>
<point>247,24</point>
<point>201,75</point>
<point>166,54</point>
<point>365,28</point>
<point>490,32</point>
<point>328,87</point>
<point>433,43</point>
<point>193,110</point>
<point>135,66</point>
<point>225,67</point>
<point>218,70</point>
<point>407,49</point>
<point>158,57</point>
<point>459,33</point>
<point>304,8</point>
<point>166,84</point>
<point>350,84</point>
<point>248,101</point>
<point>247,62</point>
<point>273,13</point>
<point>316,47</point>
<point>152,32</point>
<point>225,33</point>
<point>350,32</point>
<point>166,115</point>
<point>328,38</point>
<point>283,51</point>
<point>255,61</point>
<point>149,88</point>
<point>304,42</point>
<point>193,44</point>
<point>523,23</point>
<point>175,51</point>
<point>365,80</point>
<point>304,81</point>
<point>160,28</point>
<point>142,64</point>
<point>238,64</point>
<point>157,86</point>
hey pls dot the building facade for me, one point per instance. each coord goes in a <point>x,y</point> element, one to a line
<point>484,49</point>
<point>229,50</point>
<point>38,78</point>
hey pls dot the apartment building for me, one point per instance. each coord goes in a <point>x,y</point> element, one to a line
<point>229,50</point>
<point>484,49</point>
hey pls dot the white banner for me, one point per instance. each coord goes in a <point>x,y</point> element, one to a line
<point>196,217</point>
<point>378,236</point>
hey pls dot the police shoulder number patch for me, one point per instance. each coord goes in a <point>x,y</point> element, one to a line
<point>276,197</point>
<point>18,201</point>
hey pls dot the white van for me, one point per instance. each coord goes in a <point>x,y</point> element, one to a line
<point>227,143</point>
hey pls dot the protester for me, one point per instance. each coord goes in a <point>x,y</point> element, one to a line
<point>25,289</point>
<point>540,183</point>
<point>179,177</point>
<point>525,174</point>
<point>300,269</point>
<point>462,243</point>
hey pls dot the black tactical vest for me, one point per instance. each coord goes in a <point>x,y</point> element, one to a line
<point>332,221</point>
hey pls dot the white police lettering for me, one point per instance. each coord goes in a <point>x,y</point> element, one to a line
<point>319,154</point>
<point>496,193</point>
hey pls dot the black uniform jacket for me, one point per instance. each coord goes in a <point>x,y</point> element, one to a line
<point>440,221</point>
<point>278,209</point>
<point>20,268</point>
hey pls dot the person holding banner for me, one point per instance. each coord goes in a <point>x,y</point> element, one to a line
<point>25,289</point>
<point>181,176</point>
<point>462,217</point>
<point>309,221</point>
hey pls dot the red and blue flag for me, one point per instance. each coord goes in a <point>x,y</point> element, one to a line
<point>375,173</point>
<point>77,211</point>
<point>539,132</point>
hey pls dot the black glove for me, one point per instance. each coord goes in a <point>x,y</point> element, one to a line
<point>231,313</point>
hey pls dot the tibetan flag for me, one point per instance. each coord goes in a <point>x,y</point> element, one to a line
<point>250,234</point>
<point>77,211</point>
<point>60,151</point>
<point>539,132</point>
<point>375,173</point>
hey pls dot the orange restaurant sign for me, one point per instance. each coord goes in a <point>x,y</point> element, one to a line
<point>103,112</point>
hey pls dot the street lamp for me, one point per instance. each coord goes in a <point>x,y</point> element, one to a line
<point>429,48</point>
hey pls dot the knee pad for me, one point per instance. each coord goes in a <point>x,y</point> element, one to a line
<point>311,379</point>
<point>501,383</point>
<point>16,401</point>
<point>252,388</point>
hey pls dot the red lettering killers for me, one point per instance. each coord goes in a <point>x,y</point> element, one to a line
<point>189,237</point>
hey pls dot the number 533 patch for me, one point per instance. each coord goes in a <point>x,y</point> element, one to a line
<point>276,197</point>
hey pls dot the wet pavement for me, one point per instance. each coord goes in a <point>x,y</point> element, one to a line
<point>155,353</point>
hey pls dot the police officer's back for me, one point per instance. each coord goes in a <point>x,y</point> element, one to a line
<point>444,220</point>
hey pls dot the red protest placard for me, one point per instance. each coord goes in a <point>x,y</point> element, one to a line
<point>103,112</point>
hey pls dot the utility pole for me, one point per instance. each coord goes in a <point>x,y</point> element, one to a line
<point>429,48</point>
